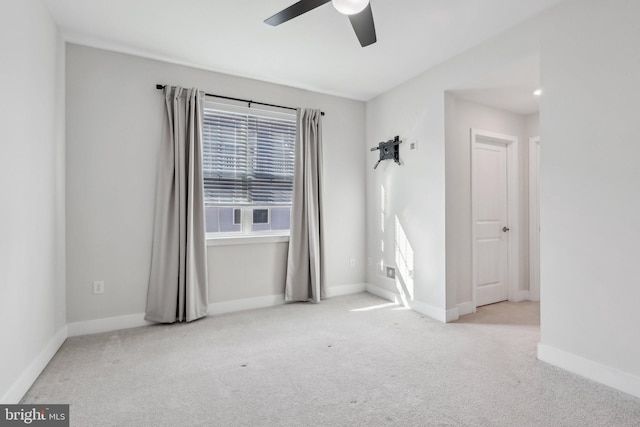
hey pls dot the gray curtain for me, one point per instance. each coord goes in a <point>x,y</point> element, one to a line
<point>305,275</point>
<point>178,281</point>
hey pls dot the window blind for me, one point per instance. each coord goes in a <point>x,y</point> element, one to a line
<point>248,157</point>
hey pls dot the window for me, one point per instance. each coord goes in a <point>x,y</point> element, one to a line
<point>248,164</point>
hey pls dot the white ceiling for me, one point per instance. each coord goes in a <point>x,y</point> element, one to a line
<point>316,51</point>
<point>510,88</point>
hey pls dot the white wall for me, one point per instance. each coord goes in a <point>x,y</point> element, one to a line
<point>32,277</point>
<point>532,125</point>
<point>590,197</point>
<point>114,116</point>
<point>416,191</point>
<point>461,117</point>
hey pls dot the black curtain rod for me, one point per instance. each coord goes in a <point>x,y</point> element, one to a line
<point>160,87</point>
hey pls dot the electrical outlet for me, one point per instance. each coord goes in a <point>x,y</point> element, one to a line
<point>391,272</point>
<point>98,287</point>
<point>352,262</point>
<point>369,261</point>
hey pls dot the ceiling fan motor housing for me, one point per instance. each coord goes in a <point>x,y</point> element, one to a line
<point>349,7</point>
<point>358,11</point>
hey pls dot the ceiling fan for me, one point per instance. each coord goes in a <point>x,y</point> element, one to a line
<point>359,12</point>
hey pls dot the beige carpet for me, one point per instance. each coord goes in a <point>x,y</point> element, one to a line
<point>349,361</point>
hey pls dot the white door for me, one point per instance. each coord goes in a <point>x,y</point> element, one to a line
<point>490,219</point>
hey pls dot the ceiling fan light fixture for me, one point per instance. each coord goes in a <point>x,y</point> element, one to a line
<point>349,7</point>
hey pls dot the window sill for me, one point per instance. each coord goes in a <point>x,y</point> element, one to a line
<point>247,240</point>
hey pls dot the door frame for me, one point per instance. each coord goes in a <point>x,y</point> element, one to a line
<point>534,218</point>
<point>513,203</point>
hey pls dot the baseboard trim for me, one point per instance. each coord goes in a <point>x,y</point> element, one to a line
<point>19,388</point>
<point>452,314</point>
<point>438,314</point>
<point>349,289</point>
<point>245,304</point>
<point>383,293</point>
<point>590,369</point>
<point>108,324</point>
<point>273,300</point>
<point>465,308</point>
<point>520,296</point>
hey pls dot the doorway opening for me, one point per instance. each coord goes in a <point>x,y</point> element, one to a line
<point>499,104</point>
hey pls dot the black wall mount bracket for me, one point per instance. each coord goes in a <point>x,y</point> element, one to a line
<point>389,150</point>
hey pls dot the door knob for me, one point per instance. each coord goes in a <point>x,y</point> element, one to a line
<point>505,229</point>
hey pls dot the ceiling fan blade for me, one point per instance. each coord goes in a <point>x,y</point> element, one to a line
<point>364,27</point>
<point>296,9</point>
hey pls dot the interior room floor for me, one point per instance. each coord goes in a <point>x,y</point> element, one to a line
<point>355,360</point>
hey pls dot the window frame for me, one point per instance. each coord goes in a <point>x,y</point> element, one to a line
<point>245,235</point>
